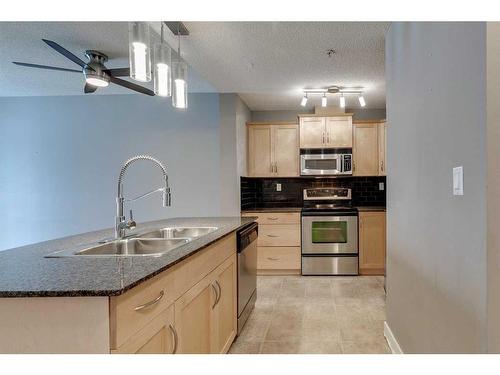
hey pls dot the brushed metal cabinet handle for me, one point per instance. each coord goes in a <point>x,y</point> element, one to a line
<point>220,292</point>
<point>175,338</point>
<point>216,296</point>
<point>272,218</point>
<point>270,258</point>
<point>272,235</point>
<point>150,303</point>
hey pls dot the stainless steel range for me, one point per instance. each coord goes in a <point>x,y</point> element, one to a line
<point>329,232</point>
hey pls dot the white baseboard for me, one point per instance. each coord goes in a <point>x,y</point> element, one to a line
<point>391,340</point>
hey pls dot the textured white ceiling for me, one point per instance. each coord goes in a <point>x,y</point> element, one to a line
<point>21,41</point>
<point>269,63</point>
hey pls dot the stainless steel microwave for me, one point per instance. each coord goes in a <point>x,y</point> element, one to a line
<point>325,164</point>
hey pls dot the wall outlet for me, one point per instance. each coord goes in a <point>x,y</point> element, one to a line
<point>458,180</point>
<point>278,187</point>
<point>381,186</point>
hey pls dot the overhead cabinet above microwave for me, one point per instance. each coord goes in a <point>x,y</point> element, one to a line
<point>326,132</point>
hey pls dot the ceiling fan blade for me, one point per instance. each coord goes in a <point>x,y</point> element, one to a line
<point>45,67</point>
<point>131,86</point>
<point>88,89</point>
<point>118,72</point>
<point>63,51</point>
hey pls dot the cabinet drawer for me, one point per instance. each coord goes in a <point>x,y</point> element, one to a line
<point>275,217</point>
<point>279,235</point>
<point>278,258</point>
<point>132,310</point>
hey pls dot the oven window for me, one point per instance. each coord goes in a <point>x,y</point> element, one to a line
<point>329,232</point>
<point>321,164</point>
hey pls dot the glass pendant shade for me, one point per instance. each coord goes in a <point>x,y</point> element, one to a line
<point>139,51</point>
<point>179,93</point>
<point>162,70</point>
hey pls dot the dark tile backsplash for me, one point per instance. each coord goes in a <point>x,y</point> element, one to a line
<point>261,192</point>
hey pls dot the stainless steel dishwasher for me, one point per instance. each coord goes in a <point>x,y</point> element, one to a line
<point>247,272</point>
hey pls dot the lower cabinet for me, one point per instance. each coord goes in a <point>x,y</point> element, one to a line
<point>372,243</point>
<point>205,316</point>
<point>176,313</point>
<point>157,337</point>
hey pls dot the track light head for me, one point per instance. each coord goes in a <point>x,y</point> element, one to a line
<point>304,100</point>
<point>323,101</point>
<point>362,102</point>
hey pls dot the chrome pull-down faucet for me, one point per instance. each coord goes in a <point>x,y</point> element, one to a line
<point>121,224</point>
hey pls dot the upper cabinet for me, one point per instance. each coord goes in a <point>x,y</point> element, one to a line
<point>368,149</point>
<point>326,132</point>
<point>382,149</point>
<point>273,150</point>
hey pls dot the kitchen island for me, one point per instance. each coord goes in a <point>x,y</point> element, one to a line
<point>183,301</point>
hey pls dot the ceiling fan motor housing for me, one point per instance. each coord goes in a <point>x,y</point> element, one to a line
<point>94,69</point>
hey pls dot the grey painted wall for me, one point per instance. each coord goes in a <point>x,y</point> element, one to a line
<point>493,208</point>
<point>359,114</point>
<point>234,114</point>
<point>60,159</point>
<point>436,242</point>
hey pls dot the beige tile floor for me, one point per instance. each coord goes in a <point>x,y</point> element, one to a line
<point>303,315</point>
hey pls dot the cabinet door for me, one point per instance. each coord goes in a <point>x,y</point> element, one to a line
<point>312,132</point>
<point>339,131</point>
<point>365,150</point>
<point>286,150</point>
<point>382,149</point>
<point>194,318</point>
<point>372,243</point>
<point>225,309</point>
<point>259,151</point>
<point>157,337</point>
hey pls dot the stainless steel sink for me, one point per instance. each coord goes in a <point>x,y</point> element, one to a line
<point>127,247</point>
<point>179,232</point>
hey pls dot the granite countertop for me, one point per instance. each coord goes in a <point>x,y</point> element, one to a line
<point>276,209</point>
<point>25,272</point>
<point>299,209</point>
<point>371,208</point>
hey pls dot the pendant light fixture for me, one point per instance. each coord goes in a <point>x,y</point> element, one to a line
<point>162,67</point>
<point>139,51</point>
<point>179,95</point>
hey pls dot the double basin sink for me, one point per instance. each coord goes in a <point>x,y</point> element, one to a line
<point>151,243</point>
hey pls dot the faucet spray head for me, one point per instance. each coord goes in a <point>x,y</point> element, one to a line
<point>166,197</point>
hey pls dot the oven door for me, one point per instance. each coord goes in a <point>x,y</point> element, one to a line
<point>320,164</point>
<point>330,234</point>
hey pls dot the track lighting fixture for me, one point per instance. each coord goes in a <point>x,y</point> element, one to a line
<point>303,102</point>
<point>332,90</point>
<point>323,101</point>
<point>342,101</point>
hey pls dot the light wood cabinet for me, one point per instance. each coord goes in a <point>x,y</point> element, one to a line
<point>365,149</point>
<point>326,132</point>
<point>312,132</point>
<point>273,150</point>
<point>225,310</point>
<point>372,243</point>
<point>382,149</point>
<point>278,244</point>
<point>369,148</point>
<point>205,316</point>
<point>339,132</point>
<point>157,337</point>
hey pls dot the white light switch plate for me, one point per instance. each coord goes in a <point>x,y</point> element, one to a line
<point>381,186</point>
<point>278,187</point>
<point>458,181</point>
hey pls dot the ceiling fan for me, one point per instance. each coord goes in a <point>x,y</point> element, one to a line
<point>95,73</point>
